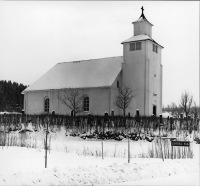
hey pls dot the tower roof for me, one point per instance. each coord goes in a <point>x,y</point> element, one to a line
<point>141,37</point>
<point>142,18</point>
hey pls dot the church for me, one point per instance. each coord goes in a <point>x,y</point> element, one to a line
<point>99,79</point>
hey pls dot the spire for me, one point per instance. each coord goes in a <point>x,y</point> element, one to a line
<point>142,17</point>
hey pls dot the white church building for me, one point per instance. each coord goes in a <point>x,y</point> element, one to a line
<point>140,68</point>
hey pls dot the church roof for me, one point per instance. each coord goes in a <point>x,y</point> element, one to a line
<point>80,74</point>
<point>141,37</point>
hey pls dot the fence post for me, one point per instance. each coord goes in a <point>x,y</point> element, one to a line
<point>161,123</point>
<point>189,123</point>
<point>181,120</point>
<point>171,123</point>
<point>129,120</point>
<point>138,118</point>
<point>172,152</point>
<point>102,147</point>
<point>72,117</point>
<point>105,119</point>
<point>128,150</point>
<point>46,145</point>
<point>5,123</point>
<point>186,122</point>
<point>89,122</point>
<point>162,150</point>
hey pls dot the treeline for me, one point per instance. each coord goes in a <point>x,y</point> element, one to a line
<point>11,99</point>
<point>187,106</point>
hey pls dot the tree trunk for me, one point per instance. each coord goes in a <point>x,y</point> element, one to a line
<point>124,114</point>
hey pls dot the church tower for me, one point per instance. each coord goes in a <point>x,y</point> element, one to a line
<point>142,68</point>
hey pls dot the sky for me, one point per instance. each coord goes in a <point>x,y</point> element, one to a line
<point>36,35</point>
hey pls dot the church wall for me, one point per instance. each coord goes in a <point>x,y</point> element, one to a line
<point>161,86</point>
<point>155,83</point>
<point>33,101</point>
<point>99,101</point>
<point>114,93</point>
<point>134,75</point>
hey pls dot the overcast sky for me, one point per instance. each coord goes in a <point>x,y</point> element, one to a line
<point>36,35</point>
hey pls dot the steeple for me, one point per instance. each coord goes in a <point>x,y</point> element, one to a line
<point>142,15</point>
<point>142,25</point>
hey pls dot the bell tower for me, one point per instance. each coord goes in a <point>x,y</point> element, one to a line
<point>142,69</point>
<point>142,26</point>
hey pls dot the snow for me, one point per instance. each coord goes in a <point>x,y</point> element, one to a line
<point>179,180</point>
<point>5,112</point>
<point>166,114</point>
<point>73,161</point>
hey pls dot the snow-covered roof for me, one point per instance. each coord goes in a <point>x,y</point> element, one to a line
<point>141,37</point>
<point>79,74</point>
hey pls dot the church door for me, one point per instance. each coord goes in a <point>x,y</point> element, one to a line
<point>154,110</point>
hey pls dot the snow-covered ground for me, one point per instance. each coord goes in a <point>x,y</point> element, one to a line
<point>189,179</point>
<point>73,161</point>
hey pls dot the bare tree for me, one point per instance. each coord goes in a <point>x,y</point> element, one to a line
<point>175,110</point>
<point>123,99</point>
<point>186,102</point>
<point>73,100</point>
<point>195,110</point>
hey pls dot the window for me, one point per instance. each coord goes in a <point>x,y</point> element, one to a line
<point>135,46</point>
<point>155,48</point>
<point>132,46</point>
<point>86,104</point>
<point>46,105</point>
<point>138,46</point>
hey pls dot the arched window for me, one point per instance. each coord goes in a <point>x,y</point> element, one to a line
<point>86,104</point>
<point>46,105</point>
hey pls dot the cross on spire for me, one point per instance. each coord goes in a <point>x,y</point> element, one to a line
<point>142,9</point>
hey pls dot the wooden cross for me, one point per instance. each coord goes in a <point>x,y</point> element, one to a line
<point>142,9</point>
